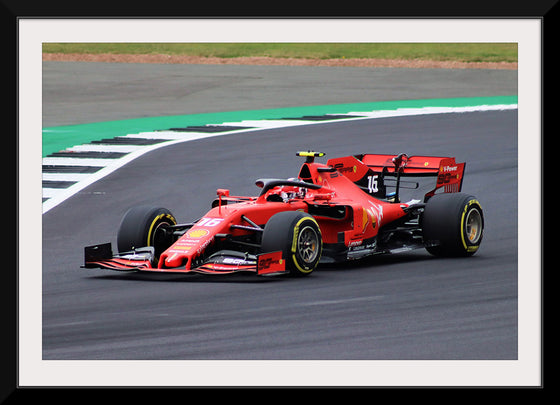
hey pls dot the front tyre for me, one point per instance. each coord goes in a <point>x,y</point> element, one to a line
<point>146,226</point>
<point>452,224</point>
<point>298,236</point>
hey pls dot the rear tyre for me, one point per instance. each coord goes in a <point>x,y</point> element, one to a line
<point>298,236</point>
<point>146,226</point>
<point>452,224</point>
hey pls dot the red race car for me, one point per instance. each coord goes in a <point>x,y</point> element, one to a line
<point>331,212</point>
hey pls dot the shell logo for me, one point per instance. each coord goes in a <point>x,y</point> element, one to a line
<point>197,233</point>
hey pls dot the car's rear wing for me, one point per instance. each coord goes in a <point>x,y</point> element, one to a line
<point>370,170</point>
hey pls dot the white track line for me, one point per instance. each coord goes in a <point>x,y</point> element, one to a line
<point>65,176</point>
<point>186,136</point>
<point>269,124</point>
<point>403,112</point>
<point>64,161</point>
<point>105,148</point>
<point>50,193</point>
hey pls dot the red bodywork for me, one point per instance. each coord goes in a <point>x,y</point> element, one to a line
<point>345,201</point>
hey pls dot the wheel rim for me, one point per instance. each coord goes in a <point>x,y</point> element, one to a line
<point>473,226</point>
<point>308,244</point>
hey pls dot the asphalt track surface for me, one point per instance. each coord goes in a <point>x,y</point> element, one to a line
<point>411,306</point>
<point>79,93</point>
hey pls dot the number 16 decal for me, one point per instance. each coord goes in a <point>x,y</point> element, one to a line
<point>372,184</point>
<point>209,222</point>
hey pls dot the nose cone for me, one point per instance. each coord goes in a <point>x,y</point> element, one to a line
<point>174,260</point>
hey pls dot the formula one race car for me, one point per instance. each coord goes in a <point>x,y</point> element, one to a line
<point>331,212</point>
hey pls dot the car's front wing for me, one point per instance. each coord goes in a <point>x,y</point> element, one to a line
<point>101,256</point>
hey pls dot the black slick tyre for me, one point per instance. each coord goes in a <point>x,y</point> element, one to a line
<point>298,236</point>
<point>452,225</point>
<point>145,226</point>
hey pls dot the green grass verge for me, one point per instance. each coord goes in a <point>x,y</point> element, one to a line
<point>463,52</point>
